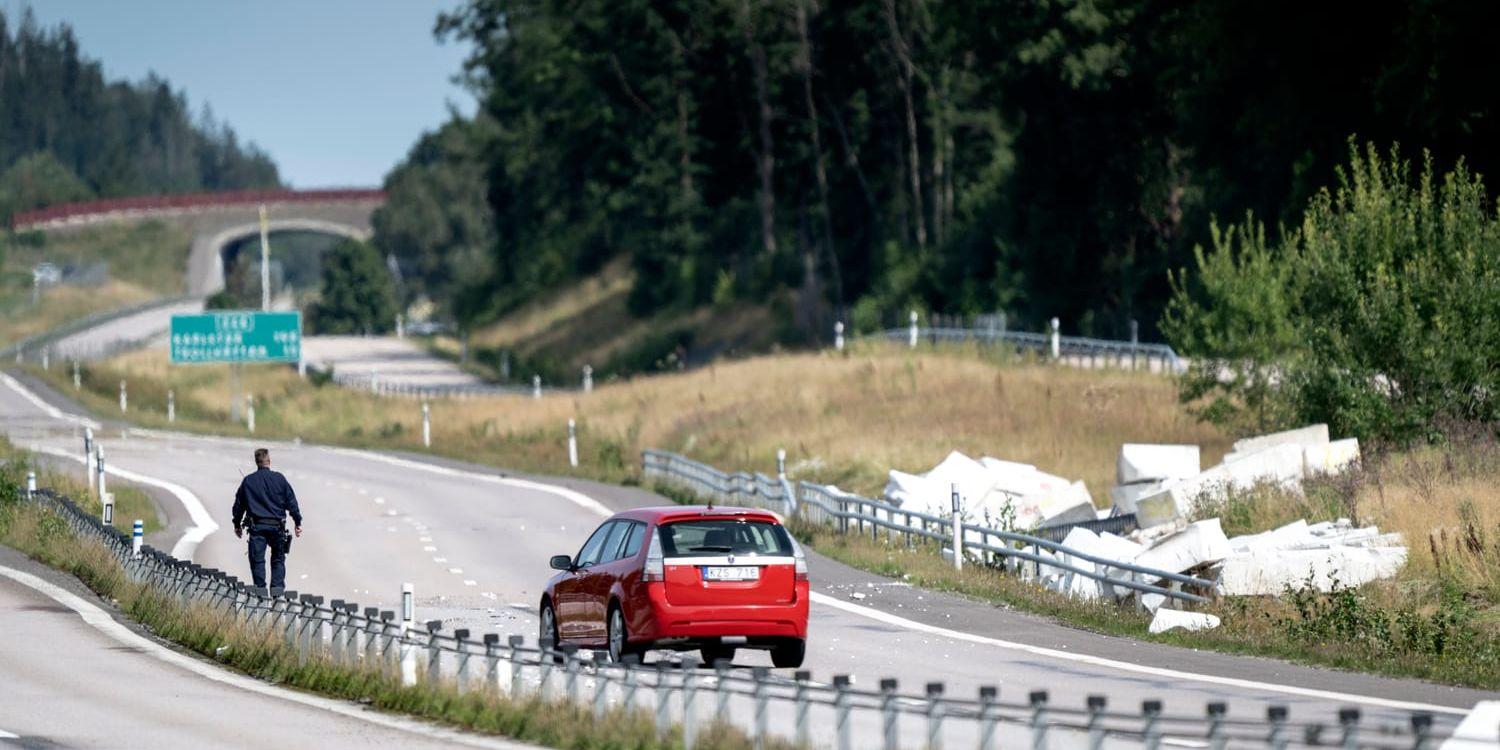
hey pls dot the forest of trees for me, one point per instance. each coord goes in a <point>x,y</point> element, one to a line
<point>67,133</point>
<point>1042,157</point>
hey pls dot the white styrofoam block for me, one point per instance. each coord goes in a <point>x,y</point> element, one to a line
<point>972,479</point>
<point>1142,462</point>
<point>1270,572</point>
<point>1290,536</point>
<point>1201,542</point>
<point>1316,434</point>
<point>1280,465</point>
<point>1156,509</point>
<point>1123,497</point>
<point>1119,548</point>
<point>1330,458</point>
<point>1169,619</point>
<point>1152,602</point>
<point>1010,476</point>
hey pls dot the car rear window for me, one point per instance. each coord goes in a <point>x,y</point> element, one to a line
<point>712,538</point>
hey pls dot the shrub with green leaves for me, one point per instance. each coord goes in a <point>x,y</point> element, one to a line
<point>1379,314</point>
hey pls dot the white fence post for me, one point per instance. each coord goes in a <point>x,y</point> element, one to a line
<point>122,397</point>
<point>588,379</point>
<point>572,445</point>
<point>426,426</point>
<point>171,406</point>
<point>838,335</point>
<point>1056,339</point>
<point>912,339</point>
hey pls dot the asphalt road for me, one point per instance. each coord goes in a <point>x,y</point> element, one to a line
<point>475,544</point>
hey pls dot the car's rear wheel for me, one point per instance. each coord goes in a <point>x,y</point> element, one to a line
<point>712,654</point>
<point>548,628</point>
<point>619,636</point>
<point>789,653</point>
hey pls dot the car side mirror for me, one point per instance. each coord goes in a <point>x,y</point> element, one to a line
<point>562,562</point>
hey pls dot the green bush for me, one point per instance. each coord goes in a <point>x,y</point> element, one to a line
<point>1377,314</point>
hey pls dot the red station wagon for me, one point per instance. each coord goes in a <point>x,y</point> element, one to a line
<point>681,578</point>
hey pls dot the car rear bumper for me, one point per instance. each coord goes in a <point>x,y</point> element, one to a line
<point>687,626</point>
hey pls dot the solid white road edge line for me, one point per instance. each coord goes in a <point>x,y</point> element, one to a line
<point>48,409</point>
<point>4,735</point>
<point>591,504</point>
<point>1125,666</point>
<point>203,522</point>
<point>105,624</point>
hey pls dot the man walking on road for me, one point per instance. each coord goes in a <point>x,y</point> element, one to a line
<point>261,506</point>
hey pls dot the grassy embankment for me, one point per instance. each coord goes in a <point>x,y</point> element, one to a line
<point>131,503</point>
<point>847,419</point>
<point>263,653</point>
<point>125,264</point>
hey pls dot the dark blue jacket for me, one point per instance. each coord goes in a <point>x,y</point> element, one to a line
<point>265,496</point>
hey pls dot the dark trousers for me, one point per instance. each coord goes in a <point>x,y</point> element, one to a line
<point>260,539</point>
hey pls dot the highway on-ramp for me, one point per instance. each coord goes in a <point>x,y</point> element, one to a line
<point>476,542</point>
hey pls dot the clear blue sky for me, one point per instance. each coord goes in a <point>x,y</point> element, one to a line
<point>335,91</point>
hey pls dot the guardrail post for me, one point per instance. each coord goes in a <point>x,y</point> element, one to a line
<point>934,716</point>
<point>426,426</point>
<point>434,653</point>
<point>1349,723</point>
<point>762,728</point>
<point>99,468</point>
<point>572,444</point>
<point>888,716</point>
<point>491,661</point>
<point>336,635</point>
<point>460,637</point>
<point>721,689</point>
<point>571,665</point>
<point>1276,715</point>
<point>1421,726</point>
<point>1096,704</point>
<point>515,642</point>
<point>988,718</point>
<point>601,692</point>
<point>1216,739</point>
<point>1151,710</point>
<point>88,455</point>
<point>627,694</point>
<point>689,693</point>
<point>802,677</point>
<point>1038,719</point>
<point>545,663</point>
<point>841,726</point>
<point>663,703</point>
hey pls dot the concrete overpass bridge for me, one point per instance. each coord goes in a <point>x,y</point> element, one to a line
<point>219,220</point>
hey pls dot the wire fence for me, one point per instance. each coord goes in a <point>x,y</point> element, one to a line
<point>1032,557</point>
<point>685,697</point>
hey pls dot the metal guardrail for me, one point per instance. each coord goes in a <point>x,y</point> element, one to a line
<point>390,387</point>
<point>851,513</point>
<point>33,346</point>
<point>682,697</point>
<point>1105,352</point>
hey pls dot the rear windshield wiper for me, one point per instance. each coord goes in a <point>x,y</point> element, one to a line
<point>710,549</point>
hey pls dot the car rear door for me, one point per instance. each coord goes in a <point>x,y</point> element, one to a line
<point>728,561</point>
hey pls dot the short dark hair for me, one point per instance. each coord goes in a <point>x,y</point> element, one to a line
<point>262,456</point>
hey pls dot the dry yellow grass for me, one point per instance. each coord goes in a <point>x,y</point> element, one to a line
<point>533,319</point>
<point>841,419</point>
<point>62,304</point>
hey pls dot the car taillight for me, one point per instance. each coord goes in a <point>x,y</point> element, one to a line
<point>801,561</point>
<point>656,568</point>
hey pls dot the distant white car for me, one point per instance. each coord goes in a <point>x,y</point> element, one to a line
<point>46,273</point>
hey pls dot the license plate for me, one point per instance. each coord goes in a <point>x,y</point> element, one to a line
<point>737,573</point>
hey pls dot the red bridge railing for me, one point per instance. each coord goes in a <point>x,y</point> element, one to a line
<point>65,211</point>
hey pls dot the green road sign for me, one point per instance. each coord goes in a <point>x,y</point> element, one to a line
<point>237,336</point>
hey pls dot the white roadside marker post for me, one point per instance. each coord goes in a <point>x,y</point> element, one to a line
<point>47,358</point>
<point>838,335</point>
<point>99,466</point>
<point>171,406</point>
<point>408,623</point>
<point>426,426</point>
<point>958,531</point>
<point>30,484</point>
<point>122,397</point>
<point>1056,339</point>
<point>588,379</point>
<point>137,535</point>
<point>536,386</point>
<point>572,445</point>
<point>109,509</point>
<point>77,378</point>
<point>912,337</point>
<point>88,455</point>
<point>250,412</point>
